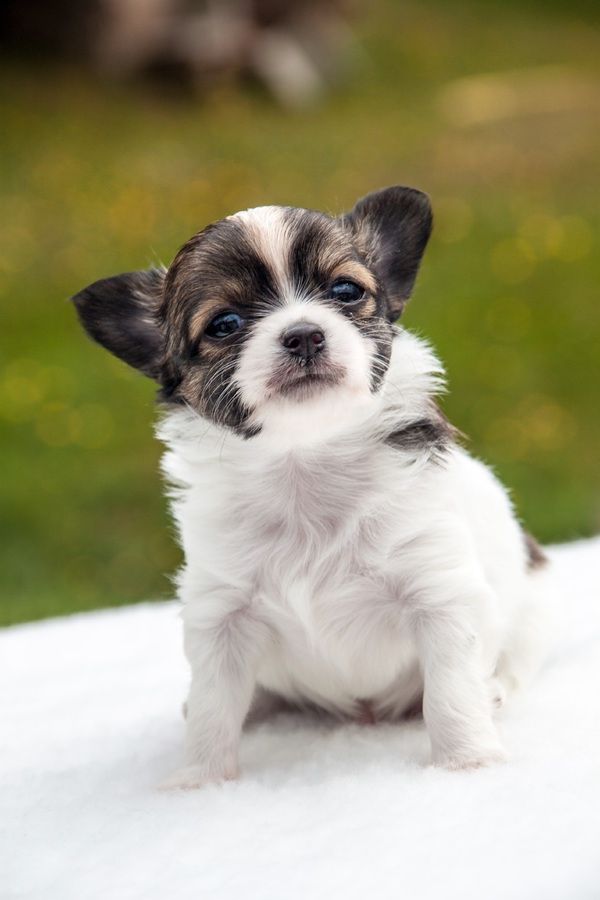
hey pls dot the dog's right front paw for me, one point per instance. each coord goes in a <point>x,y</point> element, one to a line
<point>473,759</point>
<point>191,778</point>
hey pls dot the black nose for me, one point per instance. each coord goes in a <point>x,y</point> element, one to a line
<point>303,340</point>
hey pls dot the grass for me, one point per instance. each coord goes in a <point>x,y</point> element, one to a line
<point>102,178</point>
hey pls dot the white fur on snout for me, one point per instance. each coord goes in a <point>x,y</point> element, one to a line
<point>346,350</point>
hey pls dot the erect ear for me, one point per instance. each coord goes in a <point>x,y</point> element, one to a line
<point>392,228</point>
<point>121,313</point>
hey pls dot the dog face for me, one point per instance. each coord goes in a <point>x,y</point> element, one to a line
<point>271,311</point>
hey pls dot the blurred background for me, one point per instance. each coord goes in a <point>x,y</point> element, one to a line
<point>129,124</point>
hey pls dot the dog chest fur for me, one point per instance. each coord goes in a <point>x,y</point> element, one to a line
<point>305,541</point>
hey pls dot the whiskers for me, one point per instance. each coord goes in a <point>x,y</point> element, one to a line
<point>222,394</point>
<point>216,399</point>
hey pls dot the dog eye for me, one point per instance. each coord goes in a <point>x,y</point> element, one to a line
<point>224,324</point>
<point>346,292</point>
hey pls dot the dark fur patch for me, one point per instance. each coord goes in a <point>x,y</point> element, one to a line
<point>317,248</point>
<point>219,266</point>
<point>536,558</point>
<point>218,269</point>
<point>433,435</point>
<point>320,250</point>
<point>392,228</point>
<point>121,313</point>
<point>381,333</point>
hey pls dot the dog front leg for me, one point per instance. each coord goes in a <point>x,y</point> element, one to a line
<point>457,706</point>
<point>223,652</point>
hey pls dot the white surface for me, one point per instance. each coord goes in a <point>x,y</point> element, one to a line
<point>91,722</point>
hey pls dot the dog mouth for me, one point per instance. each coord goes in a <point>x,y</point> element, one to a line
<point>301,382</point>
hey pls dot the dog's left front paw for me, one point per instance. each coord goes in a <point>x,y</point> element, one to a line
<point>191,778</point>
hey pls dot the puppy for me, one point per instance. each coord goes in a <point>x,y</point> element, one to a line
<point>342,549</point>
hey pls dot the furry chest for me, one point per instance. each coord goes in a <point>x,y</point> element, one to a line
<point>314,540</point>
<point>337,643</point>
<point>339,633</point>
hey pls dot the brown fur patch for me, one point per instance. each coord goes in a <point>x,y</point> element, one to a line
<point>355,271</point>
<point>201,317</point>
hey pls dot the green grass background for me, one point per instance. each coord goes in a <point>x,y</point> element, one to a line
<point>98,178</point>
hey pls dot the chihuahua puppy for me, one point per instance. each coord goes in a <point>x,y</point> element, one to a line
<point>342,550</point>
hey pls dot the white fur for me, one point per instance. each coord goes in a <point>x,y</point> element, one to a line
<point>328,567</point>
<point>267,227</point>
<point>285,421</point>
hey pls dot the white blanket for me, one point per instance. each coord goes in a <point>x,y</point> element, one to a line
<point>91,722</point>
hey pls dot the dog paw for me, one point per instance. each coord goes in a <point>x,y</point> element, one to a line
<point>191,778</point>
<point>456,762</point>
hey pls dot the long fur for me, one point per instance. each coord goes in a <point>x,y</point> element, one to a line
<point>342,550</point>
<point>349,567</point>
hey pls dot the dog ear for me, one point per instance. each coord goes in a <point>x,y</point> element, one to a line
<point>121,313</point>
<point>391,228</point>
